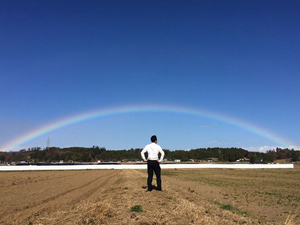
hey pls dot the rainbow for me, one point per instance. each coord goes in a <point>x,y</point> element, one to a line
<point>140,109</point>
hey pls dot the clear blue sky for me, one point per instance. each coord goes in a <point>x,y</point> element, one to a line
<point>240,59</point>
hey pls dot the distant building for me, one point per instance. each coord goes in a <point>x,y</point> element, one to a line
<point>212,160</point>
<point>243,160</point>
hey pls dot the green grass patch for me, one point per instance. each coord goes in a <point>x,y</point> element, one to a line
<point>136,208</point>
<point>227,207</point>
<point>120,180</point>
<point>214,182</point>
<point>232,209</point>
<point>169,173</point>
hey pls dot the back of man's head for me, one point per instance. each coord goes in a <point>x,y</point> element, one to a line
<point>153,138</point>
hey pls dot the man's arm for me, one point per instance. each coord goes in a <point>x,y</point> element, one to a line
<point>143,154</point>
<point>162,154</point>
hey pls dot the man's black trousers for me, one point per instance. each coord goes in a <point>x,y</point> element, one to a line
<point>153,165</point>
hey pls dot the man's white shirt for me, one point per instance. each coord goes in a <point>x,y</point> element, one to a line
<point>153,150</point>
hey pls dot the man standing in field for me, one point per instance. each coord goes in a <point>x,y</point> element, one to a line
<point>153,150</point>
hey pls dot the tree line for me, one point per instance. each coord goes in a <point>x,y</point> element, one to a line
<point>95,153</point>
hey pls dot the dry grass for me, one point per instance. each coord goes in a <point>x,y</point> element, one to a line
<point>207,196</point>
<point>174,205</point>
<point>269,195</point>
<point>291,219</point>
<point>83,213</point>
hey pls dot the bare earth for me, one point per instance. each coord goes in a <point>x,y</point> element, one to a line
<point>203,196</point>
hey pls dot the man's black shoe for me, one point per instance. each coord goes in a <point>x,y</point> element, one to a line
<point>157,189</point>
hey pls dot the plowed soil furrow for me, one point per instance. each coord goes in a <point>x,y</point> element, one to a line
<point>91,191</point>
<point>188,197</point>
<point>68,191</point>
<point>76,188</point>
<point>31,177</point>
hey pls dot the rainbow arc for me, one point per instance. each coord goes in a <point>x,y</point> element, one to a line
<point>68,121</point>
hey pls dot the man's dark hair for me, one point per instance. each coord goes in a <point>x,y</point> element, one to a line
<point>153,138</point>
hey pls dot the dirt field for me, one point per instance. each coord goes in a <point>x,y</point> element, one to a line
<point>203,196</point>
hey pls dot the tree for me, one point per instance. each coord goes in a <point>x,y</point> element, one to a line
<point>295,155</point>
<point>253,158</point>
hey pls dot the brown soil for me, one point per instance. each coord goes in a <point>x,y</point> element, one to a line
<point>204,196</point>
<point>27,195</point>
